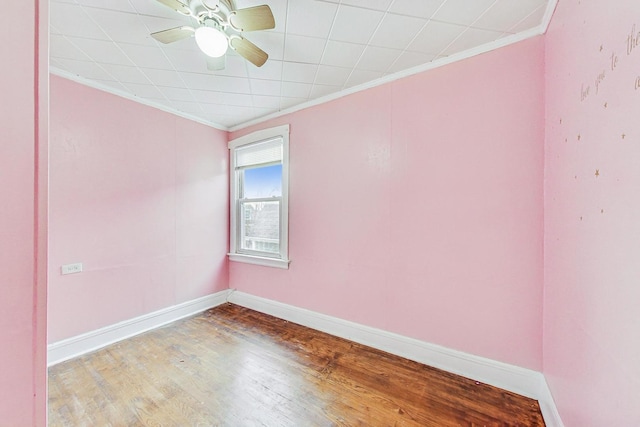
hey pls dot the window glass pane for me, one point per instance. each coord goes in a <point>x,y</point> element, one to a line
<point>263,182</point>
<point>260,229</point>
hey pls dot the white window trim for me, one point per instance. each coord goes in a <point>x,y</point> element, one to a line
<point>254,137</point>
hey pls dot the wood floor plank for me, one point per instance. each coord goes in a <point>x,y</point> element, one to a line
<point>231,366</point>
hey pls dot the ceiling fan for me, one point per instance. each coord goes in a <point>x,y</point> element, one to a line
<point>220,26</point>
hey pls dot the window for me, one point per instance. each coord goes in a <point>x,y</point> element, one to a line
<point>259,197</point>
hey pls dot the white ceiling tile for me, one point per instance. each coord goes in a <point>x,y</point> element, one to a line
<point>177,94</point>
<point>322,90</point>
<point>355,25</point>
<point>54,30</point>
<point>419,9</point>
<point>262,112</point>
<point>222,120</point>
<point>144,91</point>
<point>189,60</point>
<point>358,77</point>
<point>242,112</point>
<point>332,76</point>
<point>237,118</point>
<point>462,12</point>
<point>152,24</point>
<point>215,109</point>
<point>270,42</point>
<point>265,87</point>
<point>102,51</point>
<point>310,18</point>
<point>121,27</point>
<point>153,8</point>
<point>291,102</point>
<point>147,56</point>
<point>270,102</point>
<point>87,70</point>
<point>342,54</point>
<point>213,97</point>
<point>163,77</point>
<point>119,5</point>
<point>216,83</point>
<point>271,70</point>
<point>61,47</point>
<point>237,99</point>
<point>435,36</point>
<point>187,107</point>
<point>303,49</point>
<point>236,66</point>
<point>531,21</point>
<point>382,5</point>
<point>54,63</point>
<point>164,104</point>
<point>243,115</point>
<point>409,60</point>
<point>296,90</point>
<point>471,38</point>
<point>504,14</point>
<point>301,73</point>
<point>126,74</point>
<point>72,20</point>
<point>378,58</point>
<point>397,31</point>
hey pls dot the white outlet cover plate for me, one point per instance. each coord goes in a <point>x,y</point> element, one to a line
<point>71,268</point>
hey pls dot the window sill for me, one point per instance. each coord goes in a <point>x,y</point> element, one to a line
<point>258,260</point>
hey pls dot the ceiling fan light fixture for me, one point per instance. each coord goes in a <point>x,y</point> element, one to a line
<point>211,41</point>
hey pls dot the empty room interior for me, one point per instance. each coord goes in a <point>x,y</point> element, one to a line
<point>351,204</point>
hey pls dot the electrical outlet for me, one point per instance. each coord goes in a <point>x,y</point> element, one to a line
<point>71,268</point>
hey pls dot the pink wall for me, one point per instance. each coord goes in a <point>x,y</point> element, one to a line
<point>23,215</point>
<point>139,196</point>
<point>416,207</point>
<point>592,238</point>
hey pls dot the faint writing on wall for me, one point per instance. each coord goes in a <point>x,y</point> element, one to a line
<point>633,39</point>
<point>632,44</point>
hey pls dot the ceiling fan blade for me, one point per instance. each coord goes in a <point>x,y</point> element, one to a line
<point>216,64</point>
<point>253,19</point>
<point>249,51</point>
<point>176,5</point>
<point>173,34</point>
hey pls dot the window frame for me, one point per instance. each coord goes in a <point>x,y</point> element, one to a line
<point>281,260</point>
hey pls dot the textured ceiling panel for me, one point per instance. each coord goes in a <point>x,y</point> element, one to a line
<point>318,48</point>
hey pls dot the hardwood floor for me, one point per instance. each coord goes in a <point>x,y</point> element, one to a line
<point>232,366</point>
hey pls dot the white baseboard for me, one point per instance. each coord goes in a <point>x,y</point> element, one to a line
<point>73,347</point>
<point>509,377</point>
<point>548,406</point>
